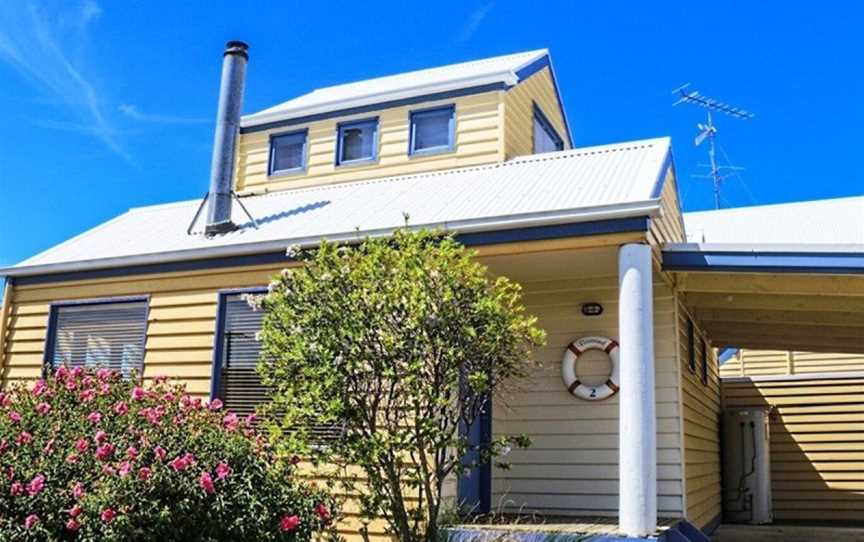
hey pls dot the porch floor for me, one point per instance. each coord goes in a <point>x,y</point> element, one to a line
<point>583,526</point>
<point>786,533</point>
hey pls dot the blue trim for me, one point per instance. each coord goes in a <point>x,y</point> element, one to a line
<point>219,335</point>
<point>375,107</point>
<point>362,123</point>
<point>272,154</point>
<point>51,334</point>
<point>544,123</point>
<point>764,262</point>
<point>537,233</point>
<point>536,66</point>
<point>451,134</point>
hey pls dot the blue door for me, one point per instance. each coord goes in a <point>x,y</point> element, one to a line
<point>475,489</point>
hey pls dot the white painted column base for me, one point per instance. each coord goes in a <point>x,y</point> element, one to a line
<point>638,420</point>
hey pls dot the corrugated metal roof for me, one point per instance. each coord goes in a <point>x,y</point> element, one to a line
<point>832,221</point>
<point>563,187</point>
<point>501,69</point>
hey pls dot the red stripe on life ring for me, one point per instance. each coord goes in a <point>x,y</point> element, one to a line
<point>575,350</point>
<point>573,386</point>
<point>612,386</point>
<point>610,347</point>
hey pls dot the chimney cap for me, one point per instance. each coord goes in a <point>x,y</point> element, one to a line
<point>237,47</point>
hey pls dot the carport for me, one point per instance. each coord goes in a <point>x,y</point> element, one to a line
<point>774,297</point>
<point>789,297</point>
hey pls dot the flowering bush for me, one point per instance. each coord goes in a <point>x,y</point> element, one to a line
<point>88,456</point>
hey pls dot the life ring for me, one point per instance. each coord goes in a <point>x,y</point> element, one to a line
<point>571,358</point>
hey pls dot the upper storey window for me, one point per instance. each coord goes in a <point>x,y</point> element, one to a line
<point>357,142</point>
<point>546,139</point>
<point>432,130</point>
<point>287,153</point>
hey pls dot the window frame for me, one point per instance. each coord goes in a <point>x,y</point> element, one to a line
<point>547,126</point>
<point>451,130</point>
<point>219,333</point>
<point>51,332</point>
<point>271,155</point>
<point>691,345</point>
<point>342,126</point>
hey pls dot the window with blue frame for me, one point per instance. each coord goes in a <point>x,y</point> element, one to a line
<point>95,334</point>
<point>287,153</point>
<point>357,142</point>
<point>432,130</point>
<point>546,139</point>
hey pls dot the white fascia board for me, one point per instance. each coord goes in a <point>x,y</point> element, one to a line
<point>507,77</point>
<point>648,208</point>
<point>763,247</point>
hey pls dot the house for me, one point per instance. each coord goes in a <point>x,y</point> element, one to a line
<point>634,313</point>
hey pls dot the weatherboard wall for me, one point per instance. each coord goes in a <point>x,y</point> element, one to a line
<point>572,466</point>
<point>519,103</point>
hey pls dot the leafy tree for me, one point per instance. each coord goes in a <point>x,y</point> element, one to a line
<point>401,342</point>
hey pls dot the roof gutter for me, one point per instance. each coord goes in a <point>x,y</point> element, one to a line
<point>648,208</point>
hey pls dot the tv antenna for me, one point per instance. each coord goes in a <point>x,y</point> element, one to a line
<point>708,131</point>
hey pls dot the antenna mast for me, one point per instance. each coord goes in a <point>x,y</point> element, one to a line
<point>709,131</point>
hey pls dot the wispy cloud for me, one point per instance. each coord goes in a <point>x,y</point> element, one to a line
<point>473,22</point>
<point>35,42</point>
<point>133,113</point>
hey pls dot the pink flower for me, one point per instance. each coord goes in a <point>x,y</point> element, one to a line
<point>132,452</point>
<point>43,408</point>
<point>30,521</point>
<point>5,400</point>
<point>251,419</point>
<point>62,372</point>
<point>77,371</point>
<point>288,523</point>
<point>78,490</point>
<point>82,444</point>
<point>144,473</point>
<point>94,417</point>
<point>222,470</point>
<point>16,489</point>
<point>14,417</point>
<point>36,485</point>
<point>70,384</point>
<point>206,482</point>
<point>107,469</point>
<point>189,458</point>
<point>108,515</point>
<point>215,404</point>
<point>323,512</point>
<point>104,374</point>
<point>121,408</point>
<point>231,421</point>
<point>124,469</point>
<point>160,452</point>
<point>138,393</point>
<point>87,395</point>
<point>100,436</point>
<point>72,525</point>
<point>104,451</point>
<point>104,388</point>
<point>23,438</point>
<point>75,511</point>
<point>39,388</point>
<point>169,397</point>
<point>179,464</point>
<point>72,458</point>
<point>49,447</point>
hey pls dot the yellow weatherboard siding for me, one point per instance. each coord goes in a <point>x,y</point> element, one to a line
<point>701,425</point>
<point>817,443</point>
<point>477,132</point>
<point>519,113</point>
<point>489,127</point>
<point>777,362</point>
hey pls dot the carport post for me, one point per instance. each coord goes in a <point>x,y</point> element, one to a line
<point>637,463</point>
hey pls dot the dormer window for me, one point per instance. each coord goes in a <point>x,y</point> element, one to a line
<point>546,139</point>
<point>432,130</point>
<point>287,153</point>
<point>357,142</point>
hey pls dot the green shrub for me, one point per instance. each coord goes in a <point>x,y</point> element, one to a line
<point>88,456</point>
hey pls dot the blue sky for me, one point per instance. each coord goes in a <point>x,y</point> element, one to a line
<point>107,106</point>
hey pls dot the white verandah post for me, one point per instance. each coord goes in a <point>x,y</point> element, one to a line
<point>638,422</point>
